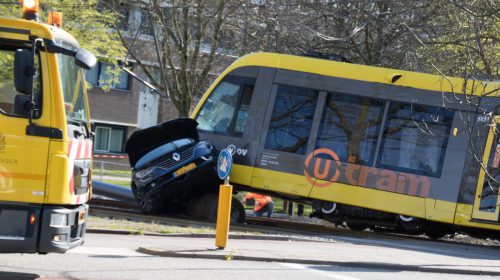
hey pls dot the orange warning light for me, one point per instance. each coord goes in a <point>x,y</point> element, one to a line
<point>30,9</point>
<point>55,18</point>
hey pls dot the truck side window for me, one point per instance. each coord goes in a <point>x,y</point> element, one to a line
<point>225,111</point>
<point>14,103</point>
<point>292,119</point>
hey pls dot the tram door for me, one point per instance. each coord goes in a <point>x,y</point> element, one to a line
<point>487,199</point>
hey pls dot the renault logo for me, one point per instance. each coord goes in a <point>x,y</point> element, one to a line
<point>176,157</point>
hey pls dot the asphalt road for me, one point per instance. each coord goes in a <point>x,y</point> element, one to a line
<point>115,257</point>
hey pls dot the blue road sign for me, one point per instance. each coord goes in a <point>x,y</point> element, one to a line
<point>224,164</point>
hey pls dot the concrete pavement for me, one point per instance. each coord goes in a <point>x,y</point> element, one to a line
<point>394,254</point>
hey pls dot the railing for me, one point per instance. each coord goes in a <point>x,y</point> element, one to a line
<point>111,171</point>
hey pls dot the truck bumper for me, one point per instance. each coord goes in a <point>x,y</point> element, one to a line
<point>62,228</point>
<point>34,228</point>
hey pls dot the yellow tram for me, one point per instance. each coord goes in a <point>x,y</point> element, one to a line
<point>365,145</point>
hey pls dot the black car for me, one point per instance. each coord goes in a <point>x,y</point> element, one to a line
<point>170,165</point>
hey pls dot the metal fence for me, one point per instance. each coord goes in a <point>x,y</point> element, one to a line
<point>111,171</point>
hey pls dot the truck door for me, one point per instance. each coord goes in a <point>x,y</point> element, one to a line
<point>232,116</point>
<point>23,157</point>
<point>487,199</point>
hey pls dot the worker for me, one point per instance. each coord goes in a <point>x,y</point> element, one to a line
<point>300,209</point>
<point>262,204</point>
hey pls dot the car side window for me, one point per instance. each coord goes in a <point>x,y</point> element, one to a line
<point>225,111</point>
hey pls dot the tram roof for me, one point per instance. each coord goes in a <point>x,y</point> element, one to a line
<point>439,83</point>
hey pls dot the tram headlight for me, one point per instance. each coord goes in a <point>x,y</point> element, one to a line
<point>58,220</point>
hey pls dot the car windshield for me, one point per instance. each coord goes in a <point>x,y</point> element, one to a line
<point>72,81</point>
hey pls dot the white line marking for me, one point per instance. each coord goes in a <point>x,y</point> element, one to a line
<point>330,274</point>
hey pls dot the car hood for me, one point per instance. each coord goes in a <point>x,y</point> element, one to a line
<point>145,140</point>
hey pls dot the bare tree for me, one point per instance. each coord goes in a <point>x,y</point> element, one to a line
<point>189,39</point>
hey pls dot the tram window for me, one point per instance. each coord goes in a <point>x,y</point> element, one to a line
<point>415,139</point>
<point>489,195</point>
<point>226,109</point>
<point>350,126</point>
<point>291,119</point>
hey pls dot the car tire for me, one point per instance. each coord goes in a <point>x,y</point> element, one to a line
<point>147,204</point>
<point>204,207</point>
<point>238,214</point>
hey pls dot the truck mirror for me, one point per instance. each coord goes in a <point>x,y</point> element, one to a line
<point>23,71</point>
<point>85,59</point>
<point>22,105</point>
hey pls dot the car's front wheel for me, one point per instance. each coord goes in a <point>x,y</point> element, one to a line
<point>147,204</point>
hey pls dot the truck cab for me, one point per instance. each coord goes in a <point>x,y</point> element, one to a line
<point>45,138</point>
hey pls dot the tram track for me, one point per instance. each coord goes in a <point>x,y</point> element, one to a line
<point>302,229</point>
<point>126,210</point>
<point>118,209</point>
<point>103,207</point>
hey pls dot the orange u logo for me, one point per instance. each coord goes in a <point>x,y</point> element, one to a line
<point>322,175</point>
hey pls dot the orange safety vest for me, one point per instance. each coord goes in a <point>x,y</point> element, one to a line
<point>260,200</point>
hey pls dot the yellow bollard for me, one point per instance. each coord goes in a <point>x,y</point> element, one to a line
<point>223,215</point>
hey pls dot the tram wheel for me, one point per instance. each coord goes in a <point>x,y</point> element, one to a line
<point>356,226</point>
<point>436,230</point>
<point>327,208</point>
<point>410,224</point>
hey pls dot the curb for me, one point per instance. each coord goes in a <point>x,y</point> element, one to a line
<point>372,265</point>
<point>196,235</point>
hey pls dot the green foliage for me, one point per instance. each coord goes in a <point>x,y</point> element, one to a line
<point>87,21</point>
<point>466,44</point>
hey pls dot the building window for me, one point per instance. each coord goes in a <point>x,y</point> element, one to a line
<point>415,139</point>
<point>109,139</point>
<point>291,120</point>
<point>350,126</point>
<point>226,109</point>
<point>104,74</point>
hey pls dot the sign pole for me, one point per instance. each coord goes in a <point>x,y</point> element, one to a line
<point>224,165</point>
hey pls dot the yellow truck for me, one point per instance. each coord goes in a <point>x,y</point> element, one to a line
<point>45,136</point>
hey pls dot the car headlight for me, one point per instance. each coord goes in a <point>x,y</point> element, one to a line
<point>210,147</point>
<point>58,220</point>
<point>205,145</point>
<point>206,158</point>
<point>143,173</point>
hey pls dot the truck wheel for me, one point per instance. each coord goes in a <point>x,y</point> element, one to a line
<point>238,214</point>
